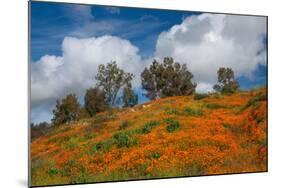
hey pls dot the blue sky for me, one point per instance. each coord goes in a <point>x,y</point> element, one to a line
<point>51,22</point>
<point>68,41</point>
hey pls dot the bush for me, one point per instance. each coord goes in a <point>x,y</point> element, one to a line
<point>173,125</point>
<point>155,156</point>
<point>53,171</point>
<point>124,140</point>
<point>95,101</point>
<point>147,127</point>
<point>213,106</point>
<point>171,111</point>
<point>124,125</point>
<point>254,101</point>
<point>102,146</point>
<point>66,110</point>
<point>199,96</point>
<point>72,143</point>
<point>193,111</point>
<point>195,169</point>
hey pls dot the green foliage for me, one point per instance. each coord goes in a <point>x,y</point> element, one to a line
<point>102,146</point>
<point>155,156</point>
<point>72,143</point>
<point>111,78</point>
<point>188,111</point>
<point>129,98</point>
<point>254,101</point>
<point>172,125</point>
<point>172,111</point>
<point>167,79</point>
<point>122,139</point>
<point>53,171</point>
<point>213,106</point>
<point>195,169</point>
<point>95,101</point>
<point>226,81</point>
<point>38,130</point>
<point>235,129</point>
<point>147,127</point>
<point>66,110</point>
<point>199,96</point>
<point>124,125</point>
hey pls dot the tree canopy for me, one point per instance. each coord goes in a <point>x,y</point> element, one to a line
<point>226,81</point>
<point>111,79</point>
<point>66,110</point>
<point>94,101</point>
<point>167,79</point>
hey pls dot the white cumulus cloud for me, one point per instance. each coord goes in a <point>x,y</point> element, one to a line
<point>53,77</point>
<point>208,41</point>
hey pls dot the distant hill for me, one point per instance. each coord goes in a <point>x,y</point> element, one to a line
<point>175,136</point>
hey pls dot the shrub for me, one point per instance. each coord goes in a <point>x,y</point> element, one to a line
<point>171,111</point>
<point>213,106</point>
<point>53,171</point>
<point>193,111</point>
<point>195,169</point>
<point>38,130</point>
<point>147,127</point>
<point>72,143</point>
<point>124,140</point>
<point>66,110</point>
<point>199,96</point>
<point>172,125</point>
<point>102,146</point>
<point>124,125</point>
<point>95,101</point>
<point>254,101</point>
<point>155,156</point>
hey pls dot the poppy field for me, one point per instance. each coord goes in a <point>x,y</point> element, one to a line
<point>200,134</point>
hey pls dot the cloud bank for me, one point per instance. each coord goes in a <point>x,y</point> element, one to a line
<point>208,41</point>
<point>53,77</point>
<point>204,42</point>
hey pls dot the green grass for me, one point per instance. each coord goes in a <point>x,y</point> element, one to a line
<point>124,125</point>
<point>199,96</point>
<point>172,125</point>
<point>147,127</point>
<point>235,129</point>
<point>188,111</point>
<point>254,101</point>
<point>124,140</point>
<point>172,111</point>
<point>213,106</point>
<point>53,171</point>
<point>71,143</point>
<point>155,156</point>
<point>102,146</point>
<point>194,169</point>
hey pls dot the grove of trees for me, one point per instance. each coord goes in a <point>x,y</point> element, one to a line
<point>114,88</point>
<point>167,79</point>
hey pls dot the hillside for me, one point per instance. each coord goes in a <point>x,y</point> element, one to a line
<point>176,136</point>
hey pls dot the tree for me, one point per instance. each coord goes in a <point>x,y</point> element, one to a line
<point>167,79</point>
<point>66,110</point>
<point>95,101</point>
<point>111,79</point>
<point>226,81</point>
<point>129,97</point>
<point>40,129</point>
